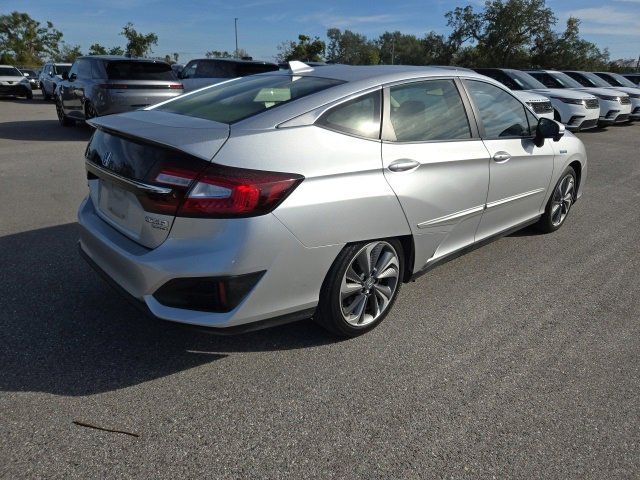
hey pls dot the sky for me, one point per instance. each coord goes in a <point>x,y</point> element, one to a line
<point>192,27</point>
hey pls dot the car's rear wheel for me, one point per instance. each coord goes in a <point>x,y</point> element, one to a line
<point>361,287</point>
<point>45,95</point>
<point>560,202</point>
<point>62,118</point>
<point>29,95</point>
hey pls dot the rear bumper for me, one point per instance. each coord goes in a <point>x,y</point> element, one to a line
<point>199,248</point>
<point>238,329</point>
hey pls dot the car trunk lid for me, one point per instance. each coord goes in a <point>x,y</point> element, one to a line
<point>140,165</point>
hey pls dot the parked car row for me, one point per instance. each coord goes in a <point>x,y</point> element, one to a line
<point>100,85</point>
<point>579,100</point>
<point>580,105</point>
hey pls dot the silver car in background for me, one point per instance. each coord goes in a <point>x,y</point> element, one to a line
<point>315,192</point>
<point>102,85</point>
<point>202,72</point>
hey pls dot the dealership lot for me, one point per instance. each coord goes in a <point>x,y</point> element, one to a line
<point>517,360</point>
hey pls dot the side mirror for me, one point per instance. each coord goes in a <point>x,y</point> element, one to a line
<point>547,129</point>
<point>65,76</point>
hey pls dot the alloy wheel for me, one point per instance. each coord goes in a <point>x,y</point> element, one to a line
<point>369,283</point>
<point>562,200</point>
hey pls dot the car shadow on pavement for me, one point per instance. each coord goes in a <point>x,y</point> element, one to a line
<point>43,130</point>
<point>64,331</point>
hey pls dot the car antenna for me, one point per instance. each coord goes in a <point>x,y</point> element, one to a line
<point>298,67</point>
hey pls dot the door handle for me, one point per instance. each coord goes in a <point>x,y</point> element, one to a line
<point>403,165</point>
<point>501,156</point>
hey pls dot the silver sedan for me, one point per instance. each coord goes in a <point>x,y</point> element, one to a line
<point>315,192</point>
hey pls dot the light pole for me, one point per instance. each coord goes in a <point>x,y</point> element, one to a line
<point>235,21</point>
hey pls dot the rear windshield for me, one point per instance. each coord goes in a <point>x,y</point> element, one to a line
<point>228,69</point>
<point>245,97</point>
<point>9,72</point>
<point>60,69</point>
<point>131,70</point>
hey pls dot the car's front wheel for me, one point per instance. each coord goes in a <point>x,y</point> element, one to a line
<point>361,287</point>
<point>62,118</point>
<point>560,202</point>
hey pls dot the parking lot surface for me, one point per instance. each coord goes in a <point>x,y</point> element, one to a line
<point>518,360</point>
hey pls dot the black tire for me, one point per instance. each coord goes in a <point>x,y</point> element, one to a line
<point>45,95</point>
<point>29,95</point>
<point>62,118</point>
<point>556,116</point>
<point>89,111</point>
<point>329,313</point>
<point>550,221</point>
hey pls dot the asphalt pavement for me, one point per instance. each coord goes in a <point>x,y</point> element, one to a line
<point>518,360</point>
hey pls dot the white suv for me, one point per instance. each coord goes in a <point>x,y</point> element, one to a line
<point>577,110</point>
<point>615,106</point>
<point>618,82</point>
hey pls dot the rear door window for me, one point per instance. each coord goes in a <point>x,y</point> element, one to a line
<point>132,70</point>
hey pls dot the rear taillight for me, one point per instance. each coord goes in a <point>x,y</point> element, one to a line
<point>221,191</point>
<point>237,192</point>
<point>176,87</point>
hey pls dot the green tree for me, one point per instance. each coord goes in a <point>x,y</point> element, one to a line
<point>351,48</point>
<point>305,50</point>
<point>568,50</point>
<point>503,31</point>
<point>26,41</point>
<point>97,49</point>
<point>218,54</point>
<point>67,53</point>
<point>399,48</point>
<point>138,44</point>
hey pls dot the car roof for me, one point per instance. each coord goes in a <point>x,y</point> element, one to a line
<point>233,60</point>
<point>121,58</point>
<point>378,74</point>
<point>8,66</point>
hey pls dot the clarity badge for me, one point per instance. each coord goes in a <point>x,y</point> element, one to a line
<point>157,223</point>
